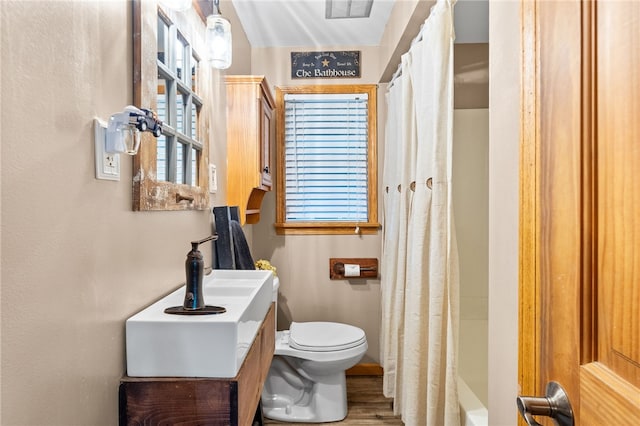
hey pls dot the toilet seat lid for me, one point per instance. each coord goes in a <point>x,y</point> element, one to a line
<point>324,336</point>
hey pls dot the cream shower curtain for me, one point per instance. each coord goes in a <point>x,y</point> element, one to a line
<point>419,262</point>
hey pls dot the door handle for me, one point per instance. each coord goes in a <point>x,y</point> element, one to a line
<point>554,404</point>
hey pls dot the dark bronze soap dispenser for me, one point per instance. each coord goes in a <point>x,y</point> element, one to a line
<point>193,299</point>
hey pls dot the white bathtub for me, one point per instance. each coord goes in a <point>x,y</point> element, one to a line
<point>472,410</point>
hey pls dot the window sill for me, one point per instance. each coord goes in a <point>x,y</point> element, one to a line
<point>326,228</point>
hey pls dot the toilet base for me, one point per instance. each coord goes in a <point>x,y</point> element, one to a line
<point>327,403</point>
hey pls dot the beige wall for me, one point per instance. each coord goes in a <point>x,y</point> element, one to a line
<point>471,212</point>
<point>471,208</point>
<point>504,102</point>
<point>76,260</point>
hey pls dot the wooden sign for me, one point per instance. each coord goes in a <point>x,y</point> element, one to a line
<point>342,64</point>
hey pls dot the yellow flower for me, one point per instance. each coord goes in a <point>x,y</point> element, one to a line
<point>265,265</point>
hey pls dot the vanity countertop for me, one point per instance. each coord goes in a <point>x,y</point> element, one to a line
<point>164,345</point>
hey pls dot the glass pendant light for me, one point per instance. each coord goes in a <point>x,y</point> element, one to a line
<point>218,39</point>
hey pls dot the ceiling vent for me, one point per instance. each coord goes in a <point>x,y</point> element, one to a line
<point>338,9</point>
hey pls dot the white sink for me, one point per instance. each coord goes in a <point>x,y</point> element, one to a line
<point>165,345</point>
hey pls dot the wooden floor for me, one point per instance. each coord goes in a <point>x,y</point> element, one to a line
<point>367,405</point>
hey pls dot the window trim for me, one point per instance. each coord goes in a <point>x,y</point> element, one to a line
<point>148,192</point>
<point>369,227</point>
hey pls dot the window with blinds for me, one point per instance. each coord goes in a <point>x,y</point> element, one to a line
<point>326,139</point>
<point>327,176</point>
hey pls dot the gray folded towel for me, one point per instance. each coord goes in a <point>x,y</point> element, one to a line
<point>241,253</point>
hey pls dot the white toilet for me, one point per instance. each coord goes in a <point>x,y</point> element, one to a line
<point>306,381</point>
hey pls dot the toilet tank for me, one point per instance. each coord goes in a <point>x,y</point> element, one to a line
<point>276,288</point>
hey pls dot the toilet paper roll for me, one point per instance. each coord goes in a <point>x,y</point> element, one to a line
<point>351,270</point>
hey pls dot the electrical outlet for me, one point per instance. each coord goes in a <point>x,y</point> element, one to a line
<point>107,163</point>
<point>111,164</point>
<point>213,179</point>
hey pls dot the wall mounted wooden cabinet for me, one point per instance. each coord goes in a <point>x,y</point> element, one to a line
<point>250,130</point>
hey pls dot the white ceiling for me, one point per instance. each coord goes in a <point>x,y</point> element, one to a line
<point>302,23</point>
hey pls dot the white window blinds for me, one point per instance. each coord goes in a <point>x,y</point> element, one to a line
<point>326,157</point>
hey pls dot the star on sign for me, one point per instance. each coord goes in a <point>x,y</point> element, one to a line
<point>325,63</point>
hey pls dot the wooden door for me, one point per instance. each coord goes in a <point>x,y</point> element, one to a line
<point>580,206</point>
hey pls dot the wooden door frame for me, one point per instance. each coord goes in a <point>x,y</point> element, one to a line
<point>529,205</point>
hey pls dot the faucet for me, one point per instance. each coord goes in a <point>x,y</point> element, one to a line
<point>193,299</point>
<point>194,267</point>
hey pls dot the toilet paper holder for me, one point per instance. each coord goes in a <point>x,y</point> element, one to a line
<point>353,268</point>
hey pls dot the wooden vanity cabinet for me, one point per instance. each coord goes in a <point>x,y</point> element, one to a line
<point>250,132</point>
<point>210,401</point>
